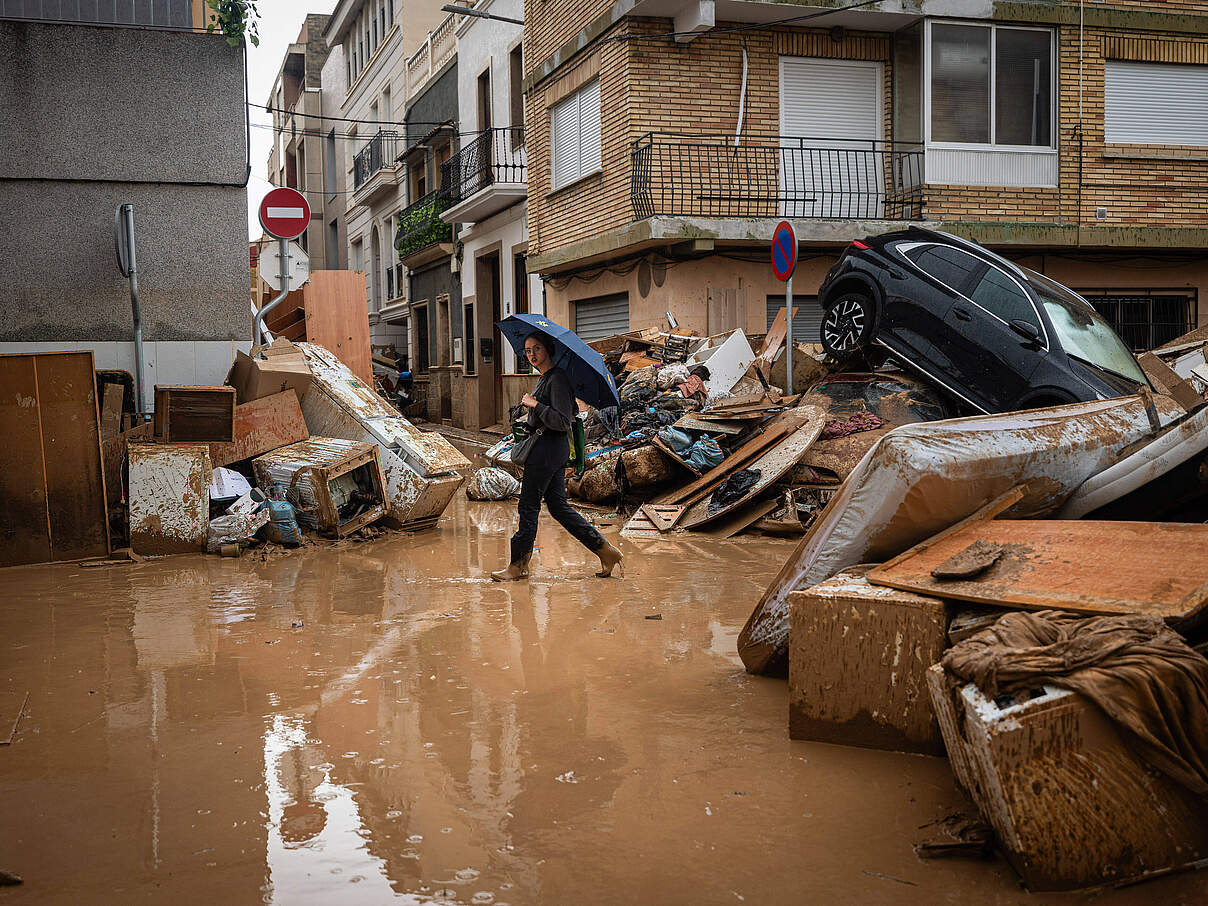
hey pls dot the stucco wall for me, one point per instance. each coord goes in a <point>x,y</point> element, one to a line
<point>94,117</point>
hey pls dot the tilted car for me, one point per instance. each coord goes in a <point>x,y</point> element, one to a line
<point>995,335</point>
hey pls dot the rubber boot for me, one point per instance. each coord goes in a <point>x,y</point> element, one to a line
<point>609,557</point>
<point>518,569</point>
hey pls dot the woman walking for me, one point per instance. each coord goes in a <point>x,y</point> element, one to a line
<point>551,411</point>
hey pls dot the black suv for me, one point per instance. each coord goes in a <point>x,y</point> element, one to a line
<point>995,335</point>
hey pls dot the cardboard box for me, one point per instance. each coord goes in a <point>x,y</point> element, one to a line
<point>858,661</point>
<point>270,369</point>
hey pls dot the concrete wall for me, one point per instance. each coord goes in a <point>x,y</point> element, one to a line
<point>93,117</point>
<point>333,87</point>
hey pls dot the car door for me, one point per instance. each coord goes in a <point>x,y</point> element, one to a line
<point>989,359</point>
<point>918,297</point>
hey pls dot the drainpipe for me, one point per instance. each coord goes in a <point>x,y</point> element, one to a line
<point>742,97</point>
<point>283,275</point>
<point>139,367</point>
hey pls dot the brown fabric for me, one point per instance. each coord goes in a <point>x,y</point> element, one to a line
<point>1136,669</point>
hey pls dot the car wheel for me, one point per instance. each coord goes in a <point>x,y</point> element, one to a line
<point>847,326</point>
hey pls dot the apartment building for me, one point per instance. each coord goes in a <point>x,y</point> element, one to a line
<point>375,40</point>
<point>124,106</point>
<point>487,191</point>
<point>665,139</point>
<point>298,159</point>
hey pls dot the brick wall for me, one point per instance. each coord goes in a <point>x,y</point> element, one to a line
<point>551,23</point>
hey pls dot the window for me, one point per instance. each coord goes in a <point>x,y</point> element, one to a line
<point>440,157</point>
<point>1001,296</point>
<point>357,262</point>
<point>470,352</point>
<point>330,171</point>
<point>952,267</point>
<point>575,131</point>
<point>333,245</point>
<point>1145,318</point>
<point>390,11</point>
<point>1156,103</point>
<point>520,302</point>
<point>991,85</point>
<point>516,82</point>
<point>419,178</point>
<point>421,339</point>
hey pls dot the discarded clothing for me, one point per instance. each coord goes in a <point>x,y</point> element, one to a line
<point>693,386</point>
<point>671,375</point>
<point>733,489</point>
<point>1140,672</point>
<point>853,424</point>
<point>492,484</point>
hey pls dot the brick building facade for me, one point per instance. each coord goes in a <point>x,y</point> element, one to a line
<point>1062,135</point>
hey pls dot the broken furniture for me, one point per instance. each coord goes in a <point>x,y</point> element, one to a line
<point>423,470</point>
<point>270,369</point>
<point>858,661</point>
<point>331,311</point>
<point>336,485</point>
<point>1071,802</point>
<point>261,425</point>
<point>919,479</point>
<point>52,483</point>
<point>169,497</point>
<point>727,356</point>
<point>194,414</point>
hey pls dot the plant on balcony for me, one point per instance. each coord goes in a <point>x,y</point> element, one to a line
<point>236,19</point>
<point>421,227</point>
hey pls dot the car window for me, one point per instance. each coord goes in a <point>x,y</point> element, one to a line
<point>1084,334</point>
<point>952,267</point>
<point>1000,295</point>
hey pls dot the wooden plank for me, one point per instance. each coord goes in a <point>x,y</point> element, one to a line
<point>1080,566</point>
<point>692,423</point>
<point>194,414</point>
<point>337,318</point>
<point>262,425</point>
<point>743,517</point>
<point>6,714</point>
<point>71,443</point>
<point>774,339</point>
<point>111,411</point>
<point>24,521</point>
<point>663,518</point>
<point>773,464</point>
<point>736,460</point>
<point>991,510</point>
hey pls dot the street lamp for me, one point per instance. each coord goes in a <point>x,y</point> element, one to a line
<point>466,11</point>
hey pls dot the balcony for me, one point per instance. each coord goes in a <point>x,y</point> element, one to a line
<point>422,235</point>
<point>373,169</point>
<point>766,177</point>
<point>487,175</point>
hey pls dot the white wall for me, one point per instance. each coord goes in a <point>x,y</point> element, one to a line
<point>483,42</point>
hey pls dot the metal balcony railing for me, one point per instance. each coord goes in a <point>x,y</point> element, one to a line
<point>380,152</point>
<point>492,156</point>
<point>775,176</point>
<point>419,224</point>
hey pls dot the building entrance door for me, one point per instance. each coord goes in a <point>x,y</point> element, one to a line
<point>488,310</point>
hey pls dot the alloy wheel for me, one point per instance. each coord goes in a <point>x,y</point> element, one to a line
<point>844,325</point>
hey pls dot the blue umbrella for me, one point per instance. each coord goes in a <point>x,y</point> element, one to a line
<point>589,377</point>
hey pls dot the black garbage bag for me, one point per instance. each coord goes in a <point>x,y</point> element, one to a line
<point>733,488</point>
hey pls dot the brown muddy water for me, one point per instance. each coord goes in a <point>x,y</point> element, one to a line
<point>380,723</point>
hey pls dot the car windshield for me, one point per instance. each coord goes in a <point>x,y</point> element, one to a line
<point>898,402</point>
<point>1082,332</point>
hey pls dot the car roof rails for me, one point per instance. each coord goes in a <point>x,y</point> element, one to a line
<point>974,246</point>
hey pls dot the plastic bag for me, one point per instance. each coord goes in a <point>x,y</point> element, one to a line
<point>679,441</point>
<point>705,455</point>
<point>492,484</point>
<point>671,375</point>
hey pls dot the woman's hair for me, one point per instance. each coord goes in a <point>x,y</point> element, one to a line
<point>545,340</point>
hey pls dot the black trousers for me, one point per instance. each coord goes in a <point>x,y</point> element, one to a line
<point>549,483</point>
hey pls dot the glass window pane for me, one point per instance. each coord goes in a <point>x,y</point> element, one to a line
<point>953,268</point>
<point>960,83</point>
<point>999,295</point>
<point>1023,89</point>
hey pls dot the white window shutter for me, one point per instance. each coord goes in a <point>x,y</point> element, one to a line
<point>1156,103</point>
<point>589,128</point>
<point>564,128</point>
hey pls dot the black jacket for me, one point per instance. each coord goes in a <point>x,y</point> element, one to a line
<point>555,412</point>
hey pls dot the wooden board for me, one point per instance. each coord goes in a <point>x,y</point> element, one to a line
<point>337,318</point>
<point>691,492</point>
<point>773,464</point>
<point>663,518</point>
<point>774,339</point>
<point>692,423</point>
<point>194,414</point>
<point>743,517</point>
<point>262,425</point>
<point>24,521</point>
<point>673,456</point>
<point>1151,568</point>
<point>111,411</point>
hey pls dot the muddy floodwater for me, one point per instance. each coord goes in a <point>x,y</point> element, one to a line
<point>378,722</point>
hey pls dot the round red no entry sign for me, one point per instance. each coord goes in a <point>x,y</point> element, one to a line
<point>284,213</point>
<point>784,250</point>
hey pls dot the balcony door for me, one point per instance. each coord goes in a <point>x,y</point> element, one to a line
<point>831,157</point>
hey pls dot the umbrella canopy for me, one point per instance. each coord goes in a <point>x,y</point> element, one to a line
<point>589,377</point>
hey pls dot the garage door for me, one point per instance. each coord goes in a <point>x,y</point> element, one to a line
<point>602,317</point>
<point>830,120</point>
<point>807,325</point>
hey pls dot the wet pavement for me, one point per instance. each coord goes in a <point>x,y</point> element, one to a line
<point>378,722</point>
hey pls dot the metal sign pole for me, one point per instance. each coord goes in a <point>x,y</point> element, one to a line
<point>283,275</point>
<point>139,364</point>
<point>788,336</point>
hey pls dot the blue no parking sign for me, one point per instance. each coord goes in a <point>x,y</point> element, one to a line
<point>784,251</point>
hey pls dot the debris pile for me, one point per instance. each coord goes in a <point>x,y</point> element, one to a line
<point>1028,593</point>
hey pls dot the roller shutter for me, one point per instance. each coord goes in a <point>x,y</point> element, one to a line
<point>807,325</point>
<point>1156,104</point>
<point>602,317</point>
